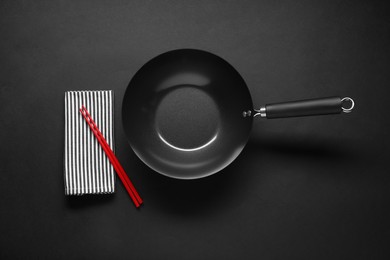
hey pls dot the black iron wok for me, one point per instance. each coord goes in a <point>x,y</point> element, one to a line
<point>188,113</point>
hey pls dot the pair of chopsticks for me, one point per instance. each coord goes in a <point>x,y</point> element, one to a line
<point>111,156</point>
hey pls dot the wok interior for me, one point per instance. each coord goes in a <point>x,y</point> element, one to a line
<point>182,114</point>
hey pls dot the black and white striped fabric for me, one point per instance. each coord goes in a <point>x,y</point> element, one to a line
<point>87,169</point>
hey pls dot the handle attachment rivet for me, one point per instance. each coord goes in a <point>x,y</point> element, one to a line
<point>246,113</point>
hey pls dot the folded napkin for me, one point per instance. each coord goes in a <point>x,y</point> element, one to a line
<point>87,169</point>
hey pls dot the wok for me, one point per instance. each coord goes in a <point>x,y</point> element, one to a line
<point>188,113</point>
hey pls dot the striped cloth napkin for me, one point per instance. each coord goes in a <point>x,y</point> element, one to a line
<point>87,169</point>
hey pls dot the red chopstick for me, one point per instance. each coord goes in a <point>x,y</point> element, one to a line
<point>114,161</point>
<point>111,156</point>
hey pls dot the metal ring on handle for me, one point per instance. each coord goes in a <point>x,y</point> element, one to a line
<point>348,110</point>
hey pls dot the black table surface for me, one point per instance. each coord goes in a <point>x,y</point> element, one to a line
<point>303,188</point>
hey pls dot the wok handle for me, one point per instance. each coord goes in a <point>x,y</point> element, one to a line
<point>308,107</point>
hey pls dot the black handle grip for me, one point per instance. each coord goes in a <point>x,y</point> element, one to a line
<point>308,107</point>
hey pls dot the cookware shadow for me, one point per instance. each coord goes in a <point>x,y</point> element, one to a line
<point>204,196</point>
<point>306,148</point>
<point>326,157</point>
<point>228,188</point>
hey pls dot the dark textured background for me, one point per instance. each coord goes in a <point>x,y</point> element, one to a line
<point>304,188</point>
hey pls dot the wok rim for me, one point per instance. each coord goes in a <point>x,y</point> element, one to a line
<point>201,176</point>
